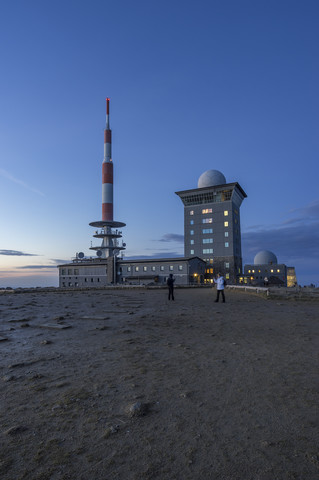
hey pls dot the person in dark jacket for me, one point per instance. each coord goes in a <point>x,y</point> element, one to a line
<point>170,284</point>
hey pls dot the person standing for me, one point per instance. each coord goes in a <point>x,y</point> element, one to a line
<point>170,284</point>
<point>220,285</point>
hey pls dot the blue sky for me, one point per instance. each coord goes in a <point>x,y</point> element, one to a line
<point>227,85</point>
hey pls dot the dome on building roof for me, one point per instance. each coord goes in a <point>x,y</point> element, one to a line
<point>265,258</point>
<point>211,178</point>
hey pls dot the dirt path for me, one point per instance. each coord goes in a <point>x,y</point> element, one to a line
<point>126,385</point>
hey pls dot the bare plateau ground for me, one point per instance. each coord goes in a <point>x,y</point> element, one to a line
<point>141,388</point>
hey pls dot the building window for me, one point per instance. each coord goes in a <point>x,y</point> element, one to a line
<point>207,240</point>
<point>226,244</point>
<point>180,267</point>
<point>207,230</point>
<point>128,269</point>
<point>191,232</point>
<point>70,271</point>
<point>192,252</point>
<point>207,220</point>
<point>192,242</point>
<point>208,250</point>
<point>63,271</point>
<point>191,222</point>
<point>171,268</point>
<point>206,210</point>
<point>278,271</point>
<point>226,265</point>
<point>144,269</point>
<point>226,234</point>
<point>98,279</point>
<point>225,213</point>
<point>91,280</point>
<point>76,271</point>
<point>162,268</point>
<point>153,269</point>
<point>85,279</point>
<point>191,212</point>
<point>70,284</point>
<point>227,276</point>
<point>225,224</point>
<point>137,269</point>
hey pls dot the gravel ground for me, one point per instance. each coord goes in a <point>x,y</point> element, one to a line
<point>123,384</point>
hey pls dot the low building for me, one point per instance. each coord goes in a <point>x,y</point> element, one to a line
<point>266,271</point>
<point>99,272</point>
<point>186,271</point>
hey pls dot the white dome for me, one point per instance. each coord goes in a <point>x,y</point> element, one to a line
<point>211,178</point>
<point>265,258</point>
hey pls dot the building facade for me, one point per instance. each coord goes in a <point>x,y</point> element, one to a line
<point>100,272</point>
<point>212,225</point>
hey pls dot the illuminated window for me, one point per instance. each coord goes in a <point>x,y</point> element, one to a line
<point>225,224</point>
<point>192,242</point>
<point>211,261</point>
<point>227,276</point>
<point>191,232</point>
<point>171,267</point>
<point>226,244</point>
<point>144,269</point>
<point>253,271</point>
<point>225,213</point>
<point>207,240</point>
<point>191,212</point>
<point>192,252</point>
<point>249,271</point>
<point>207,230</point>
<point>137,269</point>
<point>226,234</point>
<point>191,222</point>
<point>278,271</point>
<point>206,210</point>
<point>162,268</point>
<point>272,270</point>
<point>128,269</point>
<point>153,269</point>
<point>207,220</point>
<point>180,267</point>
<point>226,265</point>
<point>208,250</point>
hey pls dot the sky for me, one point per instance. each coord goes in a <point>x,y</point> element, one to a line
<point>230,85</point>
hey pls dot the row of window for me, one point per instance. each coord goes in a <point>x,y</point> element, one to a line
<point>259,271</point>
<point>70,271</point>
<point>207,240</point>
<point>208,220</point>
<point>208,210</point>
<point>206,250</point>
<point>153,268</point>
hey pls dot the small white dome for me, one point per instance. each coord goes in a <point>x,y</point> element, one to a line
<point>211,178</point>
<point>265,258</point>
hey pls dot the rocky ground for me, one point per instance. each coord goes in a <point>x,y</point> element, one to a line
<point>122,384</point>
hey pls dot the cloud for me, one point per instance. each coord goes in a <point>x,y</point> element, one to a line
<point>36,267</point>
<point>295,241</point>
<point>155,256</point>
<point>172,237</point>
<point>10,177</point>
<point>17,253</point>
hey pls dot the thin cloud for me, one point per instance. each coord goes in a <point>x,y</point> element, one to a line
<point>155,256</point>
<point>10,177</point>
<point>172,237</point>
<point>36,267</point>
<point>17,253</point>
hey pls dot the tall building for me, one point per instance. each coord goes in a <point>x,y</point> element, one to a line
<point>212,225</point>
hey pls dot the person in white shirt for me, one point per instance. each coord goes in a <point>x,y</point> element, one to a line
<point>220,285</point>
